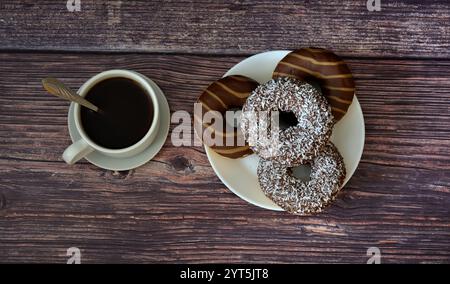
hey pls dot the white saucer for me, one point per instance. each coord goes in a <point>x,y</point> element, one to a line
<point>239,175</point>
<point>122,164</point>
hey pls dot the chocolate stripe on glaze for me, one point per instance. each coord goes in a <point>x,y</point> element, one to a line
<point>224,146</point>
<point>284,71</point>
<point>227,98</point>
<point>235,153</point>
<point>212,130</point>
<point>277,74</point>
<point>315,49</point>
<point>346,95</point>
<point>239,78</point>
<point>240,95</point>
<point>314,61</point>
<point>339,83</point>
<point>212,105</point>
<point>326,69</point>
<point>239,83</point>
<point>338,105</point>
<point>340,89</point>
<point>239,87</point>
<point>338,110</point>
<point>217,98</point>
<point>339,100</point>
<point>233,150</point>
<point>208,132</point>
<point>319,54</point>
<point>210,127</point>
<point>317,74</point>
<point>224,94</point>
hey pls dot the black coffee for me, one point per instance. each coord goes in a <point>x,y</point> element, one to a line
<point>126,113</point>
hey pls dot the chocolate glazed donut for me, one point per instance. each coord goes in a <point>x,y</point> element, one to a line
<point>321,67</point>
<point>228,93</point>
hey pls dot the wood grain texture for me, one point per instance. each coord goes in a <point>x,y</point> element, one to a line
<point>410,28</point>
<point>174,209</point>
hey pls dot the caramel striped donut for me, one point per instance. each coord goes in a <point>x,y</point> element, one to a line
<point>325,69</point>
<point>226,94</point>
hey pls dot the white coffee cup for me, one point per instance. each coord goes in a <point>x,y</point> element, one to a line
<point>84,146</point>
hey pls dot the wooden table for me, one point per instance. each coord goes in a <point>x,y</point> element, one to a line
<point>174,209</point>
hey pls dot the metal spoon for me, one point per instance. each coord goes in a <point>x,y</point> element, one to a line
<point>57,88</point>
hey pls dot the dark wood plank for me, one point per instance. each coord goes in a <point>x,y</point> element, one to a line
<point>402,28</point>
<point>174,209</point>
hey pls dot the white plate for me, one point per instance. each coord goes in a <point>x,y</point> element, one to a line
<point>122,164</point>
<point>239,175</point>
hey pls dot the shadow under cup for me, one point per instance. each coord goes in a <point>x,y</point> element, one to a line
<point>126,113</point>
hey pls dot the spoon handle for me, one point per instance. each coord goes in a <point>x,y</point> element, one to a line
<point>57,88</point>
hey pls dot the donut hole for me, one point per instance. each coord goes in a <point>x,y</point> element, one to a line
<point>302,172</point>
<point>232,119</point>
<point>286,119</point>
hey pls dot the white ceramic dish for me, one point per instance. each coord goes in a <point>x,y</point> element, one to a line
<point>239,175</point>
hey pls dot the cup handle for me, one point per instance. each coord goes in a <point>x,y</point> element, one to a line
<point>77,151</point>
